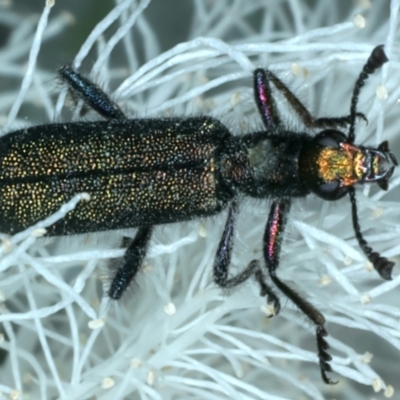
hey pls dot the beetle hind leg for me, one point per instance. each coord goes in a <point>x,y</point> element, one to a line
<point>90,93</point>
<point>131,263</point>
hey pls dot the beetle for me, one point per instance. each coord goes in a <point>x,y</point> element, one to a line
<point>145,172</point>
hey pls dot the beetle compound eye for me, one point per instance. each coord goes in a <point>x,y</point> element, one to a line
<point>331,138</point>
<point>330,190</point>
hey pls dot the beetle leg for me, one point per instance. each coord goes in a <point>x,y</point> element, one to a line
<point>376,60</point>
<point>302,111</point>
<point>223,260</point>
<point>131,262</point>
<point>272,247</point>
<point>90,93</point>
<point>264,99</point>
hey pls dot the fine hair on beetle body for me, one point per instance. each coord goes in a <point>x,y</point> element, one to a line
<point>144,172</point>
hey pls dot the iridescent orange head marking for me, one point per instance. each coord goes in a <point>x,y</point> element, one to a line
<point>346,163</point>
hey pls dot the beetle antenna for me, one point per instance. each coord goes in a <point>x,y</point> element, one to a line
<point>382,265</point>
<point>375,60</point>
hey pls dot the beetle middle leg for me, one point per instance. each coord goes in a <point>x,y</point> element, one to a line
<point>223,259</point>
<point>99,101</point>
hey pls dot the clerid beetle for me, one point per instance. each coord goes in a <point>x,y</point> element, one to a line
<point>145,172</point>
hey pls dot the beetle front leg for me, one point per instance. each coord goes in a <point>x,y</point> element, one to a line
<point>223,260</point>
<point>264,99</point>
<point>302,111</point>
<point>272,248</point>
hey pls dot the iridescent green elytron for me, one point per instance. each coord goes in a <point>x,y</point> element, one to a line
<point>136,172</point>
